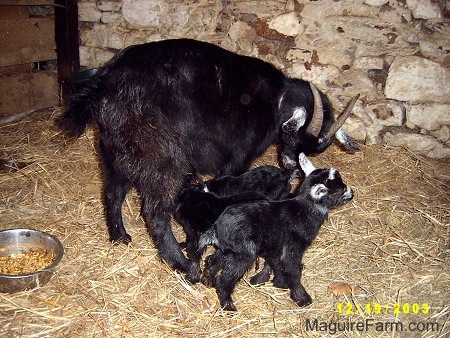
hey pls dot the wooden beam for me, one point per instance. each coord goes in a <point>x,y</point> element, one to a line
<point>13,12</point>
<point>66,30</point>
<point>27,2</point>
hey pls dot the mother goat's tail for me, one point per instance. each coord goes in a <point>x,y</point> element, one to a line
<point>82,109</point>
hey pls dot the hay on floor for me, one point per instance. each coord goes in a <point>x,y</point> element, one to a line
<point>389,246</point>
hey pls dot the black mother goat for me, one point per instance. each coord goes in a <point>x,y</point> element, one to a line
<point>173,107</point>
<point>278,231</point>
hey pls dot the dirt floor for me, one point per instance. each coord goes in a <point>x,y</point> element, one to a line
<point>379,265</point>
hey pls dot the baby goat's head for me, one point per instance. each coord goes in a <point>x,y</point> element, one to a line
<point>325,186</point>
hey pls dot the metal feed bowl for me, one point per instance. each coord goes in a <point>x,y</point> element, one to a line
<point>14,241</point>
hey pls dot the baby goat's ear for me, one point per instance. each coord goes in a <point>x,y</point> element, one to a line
<point>318,191</point>
<point>305,164</point>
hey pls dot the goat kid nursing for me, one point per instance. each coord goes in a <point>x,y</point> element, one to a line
<point>168,108</point>
<point>201,204</point>
<point>269,180</point>
<point>278,231</point>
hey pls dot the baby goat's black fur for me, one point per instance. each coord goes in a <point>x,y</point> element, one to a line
<point>198,210</point>
<point>278,231</point>
<point>169,108</point>
<point>269,180</point>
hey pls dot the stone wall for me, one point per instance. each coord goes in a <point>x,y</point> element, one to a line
<point>395,53</point>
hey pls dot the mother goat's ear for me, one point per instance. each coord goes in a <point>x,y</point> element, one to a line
<point>295,122</point>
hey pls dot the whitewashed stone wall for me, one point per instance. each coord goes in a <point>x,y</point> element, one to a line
<point>395,53</point>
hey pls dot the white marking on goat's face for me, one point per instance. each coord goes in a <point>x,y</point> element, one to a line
<point>305,164</point>
<point>331,174</point>
<point>318,191</point>
<point>348,193</point>
<point>288,163</point>
<point>345,140</point>
<point>205,189</point>
<point>296,121</point>
<point>341,136</point>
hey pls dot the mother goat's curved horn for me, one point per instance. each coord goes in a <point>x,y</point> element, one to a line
<point>340,121</point>
<point>315,125</point>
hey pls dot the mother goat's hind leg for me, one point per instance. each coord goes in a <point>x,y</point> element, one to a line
<point>115,189</point>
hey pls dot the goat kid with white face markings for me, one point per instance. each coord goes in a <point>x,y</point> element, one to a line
<point>173,107</point>
<point>198,208</point>
<point>278,231</point>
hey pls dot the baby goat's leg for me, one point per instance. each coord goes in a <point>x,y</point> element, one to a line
<point>278,273</point>
<point>212,267</point>
<point>292,273</point>
<point>195,255</point>
<point>262,276</point>
<point>234,267</point>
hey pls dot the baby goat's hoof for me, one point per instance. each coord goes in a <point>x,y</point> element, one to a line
<point>261,277</point>
<point>123,238</point>
<point>302,298</point>
<point>194,274</point>
<point>228,306</point>
<point>280,282</point>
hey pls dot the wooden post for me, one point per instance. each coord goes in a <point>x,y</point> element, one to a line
<point>67,45</point>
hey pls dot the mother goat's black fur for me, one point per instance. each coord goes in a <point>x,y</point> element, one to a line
<point>169,108</point>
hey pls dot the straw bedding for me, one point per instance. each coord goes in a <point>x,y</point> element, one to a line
<point>389,245</point>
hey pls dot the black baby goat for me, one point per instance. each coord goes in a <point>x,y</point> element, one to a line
<point>169,108</point>
<point>278,231</point>
<point>269,180</point>
<point>201,204</point>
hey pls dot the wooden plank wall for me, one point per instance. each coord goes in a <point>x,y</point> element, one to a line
<point>26,42</point>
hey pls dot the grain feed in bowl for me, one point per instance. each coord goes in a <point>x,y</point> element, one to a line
<point>25,262</point>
